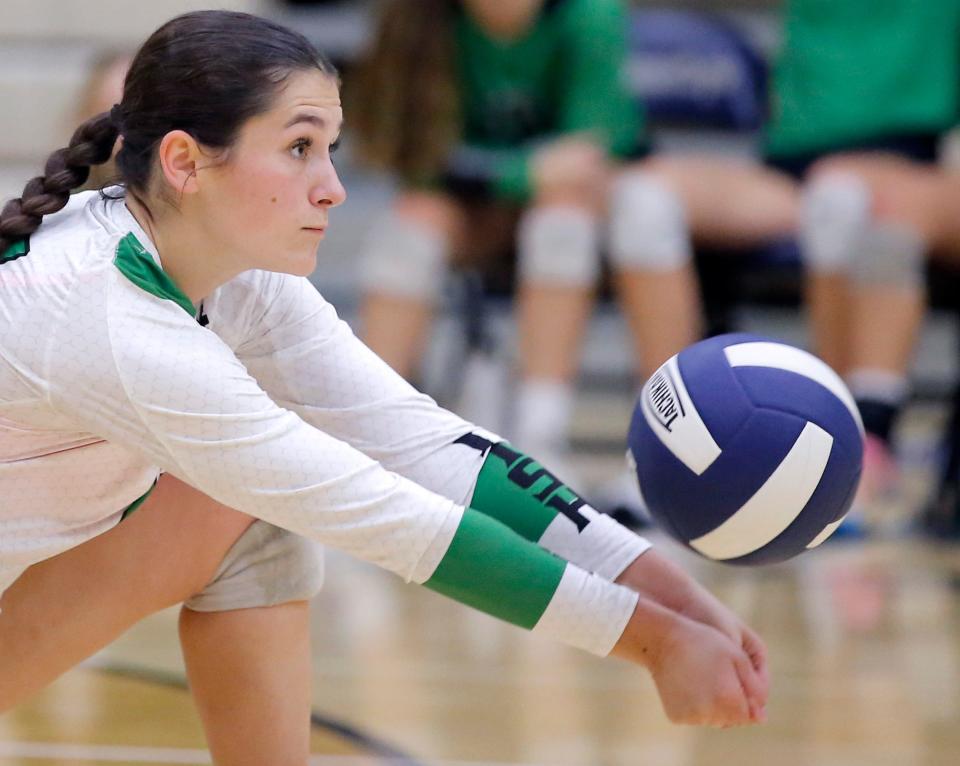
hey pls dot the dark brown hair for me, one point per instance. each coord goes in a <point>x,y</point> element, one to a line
<point>403,99</point>
<point>205,73</point>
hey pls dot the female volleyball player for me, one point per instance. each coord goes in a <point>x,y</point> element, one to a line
<point>164,359</point>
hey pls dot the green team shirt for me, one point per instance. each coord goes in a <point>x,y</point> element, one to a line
<point>863,69</point>
<point>566,74</point>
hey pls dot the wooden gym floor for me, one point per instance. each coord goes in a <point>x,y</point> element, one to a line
<point>864,641</point>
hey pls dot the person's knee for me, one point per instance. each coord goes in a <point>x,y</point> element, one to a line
<point>407,250</point>
<point>265,567</point>
<point>843,232</point>
<point>835,211</point>
<point>558,246</point>
<point>648,225</point>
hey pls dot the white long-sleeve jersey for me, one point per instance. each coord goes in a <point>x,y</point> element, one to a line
<point>274,408</point>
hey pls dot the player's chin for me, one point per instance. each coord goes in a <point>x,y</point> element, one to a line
<point>302,262</point>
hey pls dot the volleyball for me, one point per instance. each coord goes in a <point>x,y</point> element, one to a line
<point>747,450</point>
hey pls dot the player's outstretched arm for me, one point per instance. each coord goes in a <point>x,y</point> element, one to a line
<point>515,489</point>
<point>302,361</point>
<point>701,675</point>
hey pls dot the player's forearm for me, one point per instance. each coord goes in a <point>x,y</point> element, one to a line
<point>660,579</point>
<point>517,491</point>
<point>491,568</point>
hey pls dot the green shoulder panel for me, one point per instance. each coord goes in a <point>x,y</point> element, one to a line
<point>16,250</point>
<point>137,265</point>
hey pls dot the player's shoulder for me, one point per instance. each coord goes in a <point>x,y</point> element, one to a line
<point>255,290</point>
<point>255,300</point>
<point>75,231</point>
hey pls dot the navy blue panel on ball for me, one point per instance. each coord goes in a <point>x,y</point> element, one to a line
<point>713,387</point>
<point>786,391</point>
<point>689,505</point>
<point>829,502</point>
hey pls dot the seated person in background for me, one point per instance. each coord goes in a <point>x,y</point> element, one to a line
<point>512,120</point>
<point>861,95</point>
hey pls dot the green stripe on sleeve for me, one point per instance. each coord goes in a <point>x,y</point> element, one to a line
<point>519,492</point>
<point>496,571</point>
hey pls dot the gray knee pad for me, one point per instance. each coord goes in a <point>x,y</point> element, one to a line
<point>404,258</point>
<point>835,211</point>
<point>558,245</point>
<point>648,225</point>
<point>266,566</point>
<point>889,254</point>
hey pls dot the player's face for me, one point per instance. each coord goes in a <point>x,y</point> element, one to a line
<point>274,193</point>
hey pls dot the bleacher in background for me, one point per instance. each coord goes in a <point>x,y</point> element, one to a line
<point>46,49</point>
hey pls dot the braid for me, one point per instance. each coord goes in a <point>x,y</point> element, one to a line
<point>66,169</point>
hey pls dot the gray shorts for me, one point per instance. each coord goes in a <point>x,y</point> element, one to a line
<point>266,566</point>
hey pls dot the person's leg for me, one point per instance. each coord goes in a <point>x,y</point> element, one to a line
<point>657,207</point>
<point>558,264</point>
<point>881,210</point>
<point>62,610</point>
<point>729,202</point>
<point>245,640</point>
<point>835,210</point>
<point>402,274</point>
<point>97,590</point>
<point>250,674</point>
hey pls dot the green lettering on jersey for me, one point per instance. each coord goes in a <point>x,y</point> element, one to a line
<point>137,265</point>
<point>16,250</point>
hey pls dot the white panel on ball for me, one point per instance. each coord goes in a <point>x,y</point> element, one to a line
<point>783,357</point>
<point>776,504</point>
<point>827,531</point>
<point>672,416</point>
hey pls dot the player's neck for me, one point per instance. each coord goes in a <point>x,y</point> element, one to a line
<point>185,252</point>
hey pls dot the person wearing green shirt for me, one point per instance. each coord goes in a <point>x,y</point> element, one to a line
<point>511,123</point>
<point>862,91</point>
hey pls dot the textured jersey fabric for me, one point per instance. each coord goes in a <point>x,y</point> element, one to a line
<point>853,70</point>
<point>103,384</point>
<point>273,408</point>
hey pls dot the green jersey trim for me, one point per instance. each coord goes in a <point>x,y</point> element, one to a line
<point>138,502</point>
<point>137,265</point>
<point>492,569</point>
<point>16,250</point>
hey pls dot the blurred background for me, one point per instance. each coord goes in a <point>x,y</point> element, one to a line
<point>737,127</point>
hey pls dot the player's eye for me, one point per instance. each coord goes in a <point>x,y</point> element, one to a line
<point>300,148</point>
<point>334,146</point>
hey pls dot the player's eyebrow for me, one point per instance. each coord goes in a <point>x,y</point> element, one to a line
<point>312,119</point>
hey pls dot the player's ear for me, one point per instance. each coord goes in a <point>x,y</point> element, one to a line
<point>180,155</point>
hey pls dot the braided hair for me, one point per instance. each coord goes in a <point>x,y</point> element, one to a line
<point>66,169</point>
<point>205,73</point>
